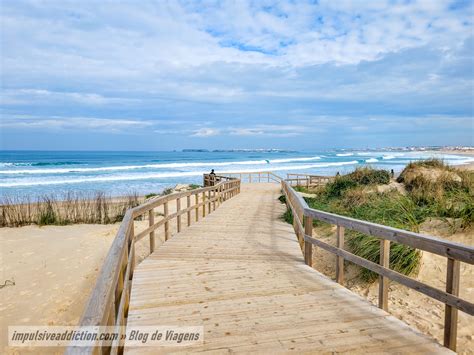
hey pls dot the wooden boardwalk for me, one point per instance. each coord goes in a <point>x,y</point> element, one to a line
<point>240,274</point>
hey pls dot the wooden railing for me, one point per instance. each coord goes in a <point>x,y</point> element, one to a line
<point>109,301</point>
<point>246,177</point>
<point>308,180</point>
<point>455,253</point>
<point>213,179</point>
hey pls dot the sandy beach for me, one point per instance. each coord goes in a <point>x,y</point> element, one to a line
<point>54,269</point>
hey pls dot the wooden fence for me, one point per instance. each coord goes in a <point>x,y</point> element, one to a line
<point>455,253</point>
<point>308,180</point>
<point>244,177</point>
<point>109,301</point>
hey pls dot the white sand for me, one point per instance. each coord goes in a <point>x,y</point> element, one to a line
<point>54,269</point>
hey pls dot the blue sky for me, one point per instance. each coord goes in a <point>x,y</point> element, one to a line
<point>158,75</point>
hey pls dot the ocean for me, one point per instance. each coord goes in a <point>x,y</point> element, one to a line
<point>29,174</point>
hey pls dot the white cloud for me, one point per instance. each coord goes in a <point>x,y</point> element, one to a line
<point>206,132</point>
<point>255,64</point>
<point>75,123</point>
<point>28,96</point>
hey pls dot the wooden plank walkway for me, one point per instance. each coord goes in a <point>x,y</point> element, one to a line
<point>240,273</point>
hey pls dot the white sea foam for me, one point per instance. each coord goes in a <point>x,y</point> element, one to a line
<point>388,157</point>
<point>169,174</point>
<point>371,160</point>
<point>345,154</point>
<point>289,160</point>
<point>209,164</point>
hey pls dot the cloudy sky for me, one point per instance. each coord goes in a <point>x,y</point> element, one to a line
<point>161,75</point>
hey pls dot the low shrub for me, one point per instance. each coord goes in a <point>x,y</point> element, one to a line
<point>167,191</point>
<point>361,176</point>
<point>287,216</point>
<point>339,185</point>
<point>370,176</point>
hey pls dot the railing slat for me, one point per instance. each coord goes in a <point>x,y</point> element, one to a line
<point>383,280</point>
<point>451,313</point>
<point>151,222</point>
<point>308,247</point>
<point>340,259</point>
<point>167,225</point>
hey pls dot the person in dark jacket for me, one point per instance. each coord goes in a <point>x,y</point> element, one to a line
<point>212,177</point>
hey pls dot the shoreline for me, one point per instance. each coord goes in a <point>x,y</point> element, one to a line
<point>144,173</point>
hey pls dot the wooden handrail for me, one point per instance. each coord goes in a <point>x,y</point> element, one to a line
<point>455,253</point>
<point>249,176</point>
<point>307,180</point>
<point>109,300</point>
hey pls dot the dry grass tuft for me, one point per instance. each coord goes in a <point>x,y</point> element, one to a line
<point>68,209</point>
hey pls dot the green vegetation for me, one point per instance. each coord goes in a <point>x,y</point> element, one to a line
<point>287,216</point>
<point>433,190</point>
<point>150,195</point>
<point>66,209</point>
<point>47,214</point>
<point>447,192</point>
<point>194,186</point>
<point>361,176</point>
<point>167,191</point>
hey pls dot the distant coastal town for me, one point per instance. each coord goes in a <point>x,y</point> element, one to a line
<point>388,149</point>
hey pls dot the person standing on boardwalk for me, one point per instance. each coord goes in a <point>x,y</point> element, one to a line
<point>212,177</point>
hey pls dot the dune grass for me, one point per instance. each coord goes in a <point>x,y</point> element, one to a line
<point>434,190</point>
<point>66,209</point>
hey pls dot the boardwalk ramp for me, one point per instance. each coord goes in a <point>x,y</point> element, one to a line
<point>240,274</point>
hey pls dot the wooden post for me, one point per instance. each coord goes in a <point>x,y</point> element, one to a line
<point>119,287</point>
<point>197,207</point>
<point>132,247</point>
<point>204,203</point>
<point>451,313</point>
<point>167,223</point>
<point>188,205</point>
<point>178,217</point>
<point>151,221</point>
<point>214,200</point>
<point>301,219</point>
<point>308,247</point>
<point>209,203</point>
<point>250,177</point>
<point>268,177</point>
<point>340,259</point>
<point>384,281</point>
<point>259,177</point>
